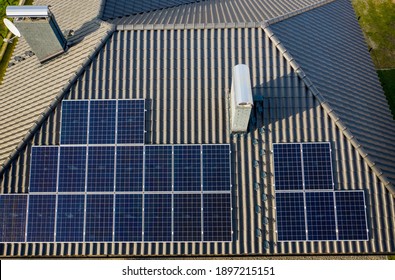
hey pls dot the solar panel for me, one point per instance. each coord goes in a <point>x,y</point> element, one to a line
<point>99,218</point>
<point>129,169</point>
<point>41,218</point>
<point>320,214</point>
<point>128,217</point>
<point>317,166</point>
<point>288,173</point>
<point>157,217</point>
<point>13,218</point>
<point>187,168</point>
<point>291,219</point>
<point>130,121</point>
<point>187,217</point>
<point>102,121</point>
<point>216,167</point>
<point>74,125</point>
<point>43,169</point>
<point>158,168</point>
<point>351,215</point>
<point>217,223</point>
<point>72,169</point>
<point>70,218</point>
<point>100,176</point>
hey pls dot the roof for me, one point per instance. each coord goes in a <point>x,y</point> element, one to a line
<point>187,84</point>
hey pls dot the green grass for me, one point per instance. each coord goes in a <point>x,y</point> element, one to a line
<point>387,79</point>
<point>377,20</point>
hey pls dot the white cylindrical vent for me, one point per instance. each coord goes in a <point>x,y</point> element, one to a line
<point>241,98</point>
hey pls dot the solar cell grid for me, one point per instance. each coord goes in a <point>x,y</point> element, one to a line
<point>351,215</point>
<point>130,121</point>
<point>70,218</point>
<point>216,167</point>
<point>291,222</point>
<point>41,218</point>
<point>102,121</point>
<point>317,166</point>
<point>320,213</point>
<point>158,168</point>
<point>129,170</point>
<point>74,125</point>
<point>13,218</point>
<point>128,217</point>
<point>100,176</point>
<point>217,217</point>
<point>157,217</point>
<point>288,167</point>
<point>72,169</point>
<point>187,168</point>
<point>187,217</point>
<point>99,218</point>
<point>43,169</point>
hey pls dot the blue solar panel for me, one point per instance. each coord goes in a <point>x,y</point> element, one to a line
<point>187,217</point>
<point>128,217</point>
<point>217,223</point>
<point>320,213</point>
<point>216,167</point>
<point>101,169</point>
<point>291,222</point>
<point>41,218</point>
<point>13,218</point>
<point>70,218</point>
<point>187,168</point>
<point>102,119</point>
<point>43,169</point>
<point>157,217</point>
<point>129,168</point>
<point>287,167</point>
<point>74,127</point>
<point>99,218</point>
<point>317,166</point>
<point>72,169</point>
<point>158,168</point>
<point>351,215</point>
<point>130,121</point>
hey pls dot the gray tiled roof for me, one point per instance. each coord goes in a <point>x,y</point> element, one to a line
<point>339,65</point>
<point>184,74</point>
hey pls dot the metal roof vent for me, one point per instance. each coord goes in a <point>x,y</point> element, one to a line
<point>241,98</point>
<point>39,28</point>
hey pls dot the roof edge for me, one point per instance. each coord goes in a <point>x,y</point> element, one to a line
<point>58,98</point>
<point>182,26</point>
<point>327,108</point>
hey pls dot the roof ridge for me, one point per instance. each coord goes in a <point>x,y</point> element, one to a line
<point>327,108</point>
<point>58,98</point>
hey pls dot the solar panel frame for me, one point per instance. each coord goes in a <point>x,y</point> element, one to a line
<point>41,218</point>
<point>129,168</point>
<point>13,214</point>
<point>187,166</point>
<point>290,176</point>
<point>43,169</point>
<point>157,217</point>
<point>321,216</point>
<point>317,166</point>
<point>99,219</point>
<point>291,216</point>
<point>74,122</point>
<point>187,217</point>
<point>70,214</point>
<point>102,121</point>
<point>129,214</point>
<point>72,168</point>
<point>217,221</point>
<point>351,215</point>
<point>101,169</point>
<point>216,167</point>
<point>131,122</point>
<point>158,167</point>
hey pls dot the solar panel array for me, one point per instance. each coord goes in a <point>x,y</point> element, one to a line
<point>103,184</point>
<point>307,207</point>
